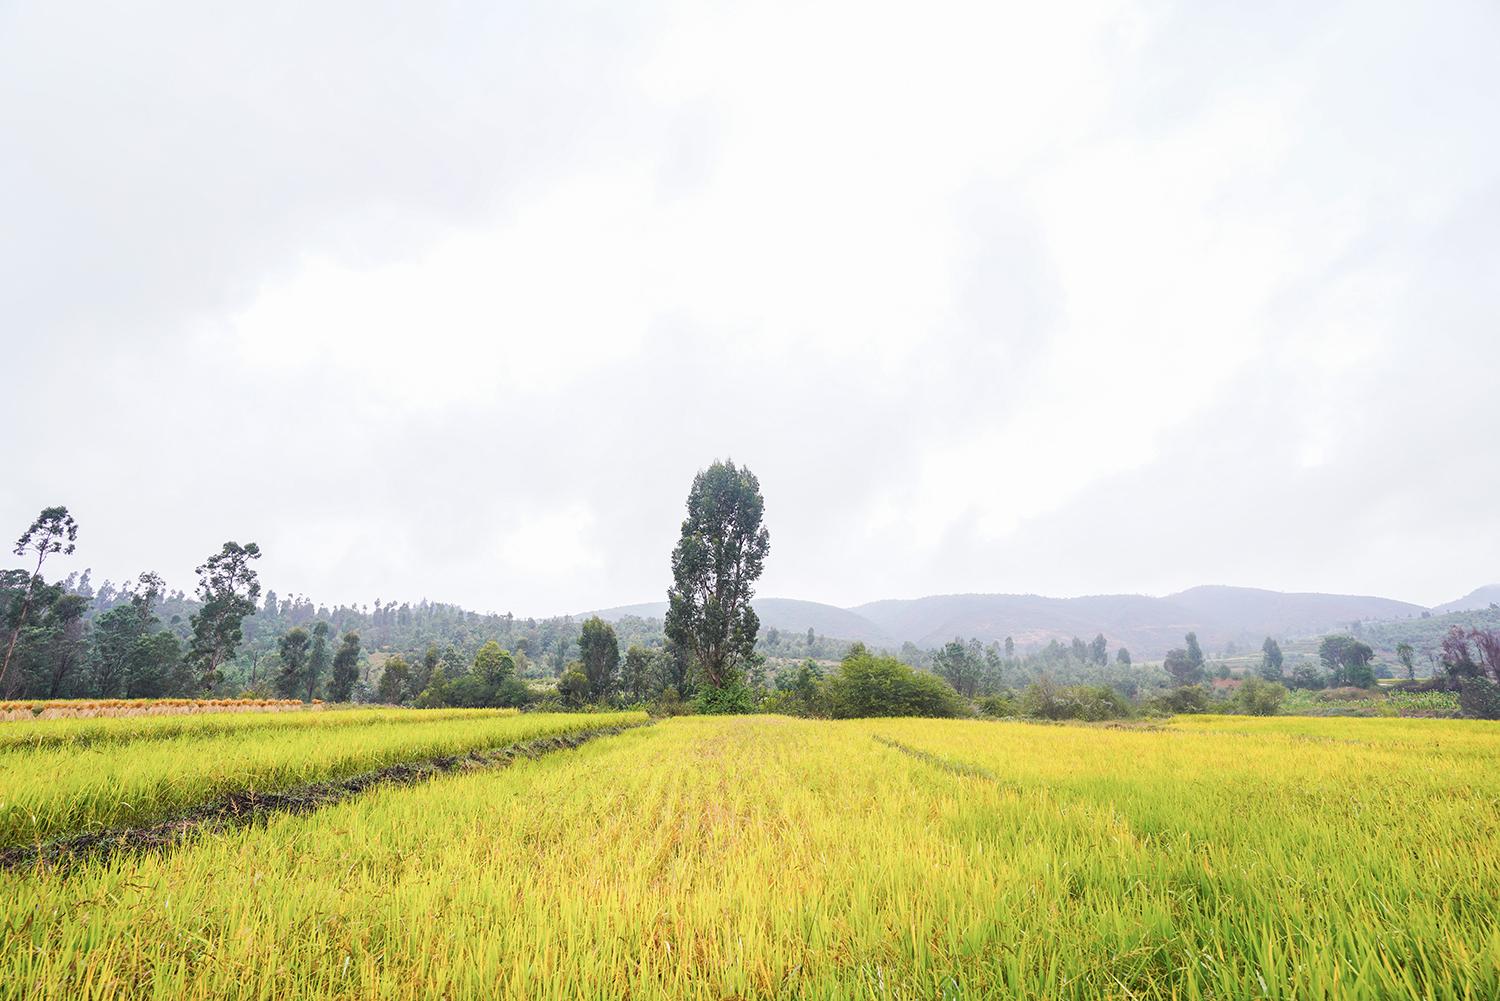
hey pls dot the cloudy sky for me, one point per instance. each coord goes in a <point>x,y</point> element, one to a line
<point>451,300</point>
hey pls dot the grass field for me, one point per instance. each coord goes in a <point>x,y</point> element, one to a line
<point>769,857</point>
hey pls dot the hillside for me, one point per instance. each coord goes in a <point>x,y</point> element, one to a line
<point>1481,597</point>
<point>1149,626</point>
<point>787,615</point>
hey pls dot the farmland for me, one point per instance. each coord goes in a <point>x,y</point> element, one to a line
<point>765,856</point>
<point>131,771</point>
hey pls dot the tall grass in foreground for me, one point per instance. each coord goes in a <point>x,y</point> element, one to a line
<point>766,857</point>
<point>48,791</point>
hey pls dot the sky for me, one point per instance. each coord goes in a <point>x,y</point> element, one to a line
<point>452,300</point>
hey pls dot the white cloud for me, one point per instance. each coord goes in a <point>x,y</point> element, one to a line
<point>453,303</point>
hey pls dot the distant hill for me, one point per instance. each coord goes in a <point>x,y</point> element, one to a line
<point>1149,626</point>
<point>1482,597</point>
<point>788,615</point>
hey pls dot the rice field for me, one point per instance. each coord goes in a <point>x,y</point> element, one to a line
<point>132,771</point>
<point>767,857</point>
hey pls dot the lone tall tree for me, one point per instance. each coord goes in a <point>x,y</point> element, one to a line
<point>293,650</point>
<point>318,658</point>
<point>717,561</point>
<point>54,531</point>
<point>345,669</point>
<point>599,650</point>
<point>228,588</point>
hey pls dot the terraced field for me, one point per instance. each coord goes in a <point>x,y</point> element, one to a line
<point>769,857</point>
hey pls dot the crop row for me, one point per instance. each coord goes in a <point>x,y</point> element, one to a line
<point>131,729</point>
<point>49,792</point>
<point>765,857</point>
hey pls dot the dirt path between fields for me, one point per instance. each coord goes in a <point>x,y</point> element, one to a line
<point>241,809</point>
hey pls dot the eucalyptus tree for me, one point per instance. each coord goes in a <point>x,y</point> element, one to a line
<point>228,589</point>
<point>54,531</point>
<point>718,558</point>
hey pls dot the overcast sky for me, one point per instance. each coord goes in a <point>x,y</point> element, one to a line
<point>451,300</point>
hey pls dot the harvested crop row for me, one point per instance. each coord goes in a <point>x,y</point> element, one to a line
<point>765,857</point>
<point>53,792</point>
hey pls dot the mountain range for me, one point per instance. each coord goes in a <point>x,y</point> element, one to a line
<point>1148,626</point>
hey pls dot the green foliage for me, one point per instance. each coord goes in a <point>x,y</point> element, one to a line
<point>717,560</point>
<point>961,665</point>
<point>293,652</point>
<point>732,698</point>
<point>395,681</point>
<point>54,531</point>
<point>1271,660</point>
<point>599,651</point>
<point>490,682</point>
<point>227,588</point>
<point>870,685</point>
<point>636,676</point>
<point>1258,697</point>
<point>1092,703</point>
<point>345,669</point>
<point>1182,699</point>
<point>318,659</point>
<point>1479,698</point>
<point>998,706</point>
<point>573,687</point>
<point>1347,661</point>
<point>1194,653</point>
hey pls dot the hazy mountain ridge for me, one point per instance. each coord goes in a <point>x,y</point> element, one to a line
<point>1147,625</point>
<point>1480,597</point>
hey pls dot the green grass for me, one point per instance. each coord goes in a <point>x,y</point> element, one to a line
<point>1222,857</point>
<point>135,771</point>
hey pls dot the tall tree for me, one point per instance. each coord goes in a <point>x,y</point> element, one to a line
<point>395,681</point>
<point>228,589</point>
<point>599,650</point>
<point>293,650</point>
<point>1099,650</point>
<point>717,560</point>
<point>1407,656</point>
<point>957,664</point>
<point>1194,653</point>
<point>1271,660</point>
<point>345,669</point>
<point>493,665</point>
<point>318,658</point>
<point>635,678</point>
<point>1347,660</point>
<point>54,531</point>
<point>1180,666</point>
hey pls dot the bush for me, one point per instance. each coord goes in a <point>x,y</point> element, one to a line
<point>733,698</point>
<point>1091,703</point>
<point>866,685</point>
<point>997,705</point>
<point>1479,698</point>
<point>1257,697</point>
<point>1185,699</point>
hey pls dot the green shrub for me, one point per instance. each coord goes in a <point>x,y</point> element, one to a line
<point>1479,698</point>
<point>733,698</point>
<point>866,685</point>
<point>997,705</point>
<point>1184,699</point>
<point>1091,703</point>
<point>1257,697</point>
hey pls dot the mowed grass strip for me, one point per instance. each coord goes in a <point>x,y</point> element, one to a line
<point>766,857</point>
<point>51,792</point>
